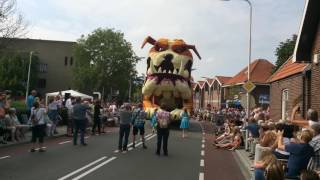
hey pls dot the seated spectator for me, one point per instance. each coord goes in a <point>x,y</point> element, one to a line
<point>309,175</point>
<point>227,132</point>
<point>265,144</point>
<point>268,168</point>
<point>300,153</point>
<point>287,135</point>
<point>315,144</point>
<point>235,143</point>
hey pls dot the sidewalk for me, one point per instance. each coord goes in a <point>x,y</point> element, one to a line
<point>62,131</point>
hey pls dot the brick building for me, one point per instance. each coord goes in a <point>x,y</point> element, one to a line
<point>260,72</point>
<point>307,49</point>
<point>209,92</point>
<point>288,87</point>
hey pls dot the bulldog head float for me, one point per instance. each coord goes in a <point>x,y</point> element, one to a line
<point>168,80</point>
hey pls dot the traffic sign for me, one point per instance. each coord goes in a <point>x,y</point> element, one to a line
<point>249,86</point>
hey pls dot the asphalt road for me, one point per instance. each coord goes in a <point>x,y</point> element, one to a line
<point>98,160</point>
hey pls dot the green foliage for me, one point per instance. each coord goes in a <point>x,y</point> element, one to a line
<point>19,105</point>
<point>104,60</point>
<point>14,71</point>
<point>284,51</point>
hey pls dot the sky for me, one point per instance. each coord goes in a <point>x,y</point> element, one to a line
<point>218,29</point>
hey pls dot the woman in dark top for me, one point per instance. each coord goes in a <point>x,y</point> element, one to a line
<point>96,117</point>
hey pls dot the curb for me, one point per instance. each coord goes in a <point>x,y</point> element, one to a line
<point>27,142</point>
<point>244,163</point>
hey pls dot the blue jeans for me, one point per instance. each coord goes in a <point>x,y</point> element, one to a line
<point>259,174</point>
<point>79,125</point>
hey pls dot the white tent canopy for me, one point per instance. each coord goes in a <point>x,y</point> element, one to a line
<point>71,92</point>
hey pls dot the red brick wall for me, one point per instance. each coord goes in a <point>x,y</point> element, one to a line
<point>294,85</point>
<point>316,45</point>
<point>215,100</point>
<point>315,87</point>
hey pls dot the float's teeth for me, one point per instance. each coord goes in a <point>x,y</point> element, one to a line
<point>153,69</point>
<point>159,70</point>
<point>181,69</point>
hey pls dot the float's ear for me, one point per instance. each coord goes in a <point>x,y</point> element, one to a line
<point>194,50</point>
<point>148,40</point>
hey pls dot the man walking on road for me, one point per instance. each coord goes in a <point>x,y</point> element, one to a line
<point>163,118</point>
<point>79,117</point>
<point>138,121</point>
<point>125,123</point>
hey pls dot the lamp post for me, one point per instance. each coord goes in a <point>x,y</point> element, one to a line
<point>28,80</point>
<point>249,60</point>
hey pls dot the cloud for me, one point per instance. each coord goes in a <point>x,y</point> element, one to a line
<point>218,29</point>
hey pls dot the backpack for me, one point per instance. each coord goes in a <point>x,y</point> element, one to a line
<point>163,122</point>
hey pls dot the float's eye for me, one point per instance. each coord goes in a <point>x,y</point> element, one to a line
<point>160,48</point>
<point>179,49</point>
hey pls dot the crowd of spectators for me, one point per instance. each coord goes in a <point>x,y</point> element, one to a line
<point>279,149</point>
<point>58,110</point>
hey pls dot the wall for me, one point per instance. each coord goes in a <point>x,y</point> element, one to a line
<point>58,76</point>
<point>294,85</point>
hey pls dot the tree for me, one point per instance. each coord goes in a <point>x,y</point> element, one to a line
<point>12,24</point>
<point>284,51</point>
<point>105,62</point>
<point>14,71</point>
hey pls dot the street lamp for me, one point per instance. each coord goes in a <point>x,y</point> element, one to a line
<point>249,60</point>
<point>28,80</point>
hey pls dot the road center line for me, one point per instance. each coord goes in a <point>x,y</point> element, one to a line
<point>202,163</point>
<point>203,141</point>
<point>201,176</point>
<point>202,153</point>
<point>64,142</point>
<point>94,168</point>
<point>202,145</point>
<point>84,167</point>
<point>4,157</point>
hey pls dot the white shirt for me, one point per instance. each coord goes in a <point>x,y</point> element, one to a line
<point>39,113</point>
<point>69,104</point>
<point>53,105</point>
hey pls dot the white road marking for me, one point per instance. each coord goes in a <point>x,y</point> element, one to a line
<point>203,141</point>
<point>94,168</point>
<point>4,157</point>
<point>64,142</point>
<point>37,149</point>
<point>203,133</point>
<point>147,138</point>
<point>202,163</point>
<point>86,137</point>
<point>84,167</point>
<point>201,176</point>
<point>202,145</point>
<point>202,153</point>
<point>150,137</point>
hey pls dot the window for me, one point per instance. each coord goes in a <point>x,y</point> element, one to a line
<point>42,83</point>
<point>71,61</point>
<point>284,104</point>
<point>43,68</point>
<point>66,61</point>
